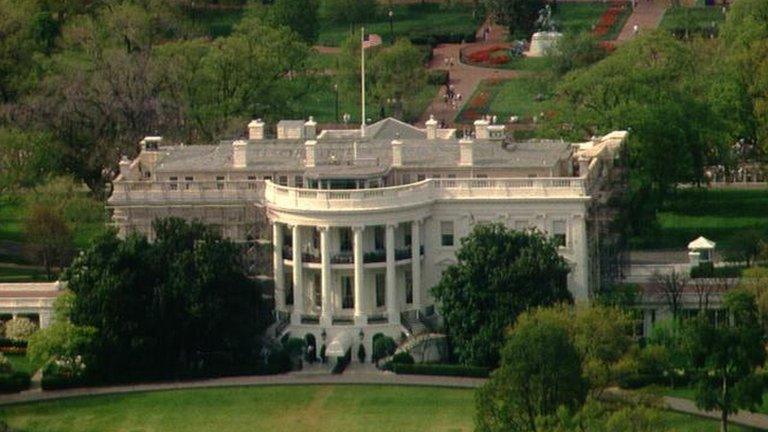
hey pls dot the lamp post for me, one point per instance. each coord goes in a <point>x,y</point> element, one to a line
<point>391,15</point>
<point>336,93</point>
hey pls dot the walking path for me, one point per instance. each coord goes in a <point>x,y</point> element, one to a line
<point>646,16</point>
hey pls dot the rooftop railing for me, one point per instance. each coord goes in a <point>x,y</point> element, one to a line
<point>126,192</point>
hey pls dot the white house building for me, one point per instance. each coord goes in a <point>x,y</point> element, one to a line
<point>361,223</point>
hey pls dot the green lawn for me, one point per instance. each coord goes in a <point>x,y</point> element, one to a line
<point>694,19</point>
<point>507,98</point>
<point>11,218</point>
<point>688,393</point>
<point>278,408</point>
<point>408,21</point>
<point>578,17</point>
<point>16,274</point>
<point>715,214</point>
<point>20,362</point>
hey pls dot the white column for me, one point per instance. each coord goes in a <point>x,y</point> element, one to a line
<point>45,317</point>
<point>360,316</point>
<point>416,263</point>
<point>393,309</point>
<point>298,280</point>
<point>326,317</point>
<point>277,260</point>
<point>580,290</point>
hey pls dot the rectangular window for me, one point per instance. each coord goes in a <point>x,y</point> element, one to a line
<point>481,176</point>
<point>318,291</point>
<point>408,287</point>
<point>451,176</point>
<point>187,181</point>
<point>408,239</point>
<point>345,239</point>
<point>316,239</point>
<point>267,177</point>
<point>558,232</point>
<point>251,182</point>
<point>298,181</point>
<point>288,278</point>
<point>347,293</point>
<point>436,176</point>
<point>378,237</point>
<point>380,290</point>
<point>420,177</point>
<point>282,180</point>
<point>446,233</point>
<point>220,182</point>
<point>406,178</point>
<point>173,186</point>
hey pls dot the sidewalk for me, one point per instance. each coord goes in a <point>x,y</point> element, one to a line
<point>646,16</point>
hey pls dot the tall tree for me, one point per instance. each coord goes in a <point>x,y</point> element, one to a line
<point>301,16</point>
<point>26,158</point>
<point>540,372</point>
<point>518,15</point>
<point>726,358</point>
<point>669,288</point>
<point>499,274</point>
<point>50,237</point>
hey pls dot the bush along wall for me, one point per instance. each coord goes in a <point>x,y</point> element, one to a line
<point>342,362</point>
<point>438,369</point>
<point>14,382</point>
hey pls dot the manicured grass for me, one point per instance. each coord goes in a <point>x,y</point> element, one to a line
<point>278,408</point>
<point>694,19</point>
<point>11,218</point>
<point>408,21</point>
<point>578,17</point>
<point>21,274</point>
<point>289,408</point>
<point>530,64</point>
<point>715,214</point>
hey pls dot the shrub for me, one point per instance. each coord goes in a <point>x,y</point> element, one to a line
<point>437,77</point>
<point>20,328</point>
<point>322,353</point>
<point>383,346</point>
<point>342,362</point>
<point>361,353</point>
<point>64,372</point>
<point>439,369</point>
<point>278,361</point>
<point>708,270</point>
<point>403,358</point>
<point>5,364</point>
<point>13,382</point>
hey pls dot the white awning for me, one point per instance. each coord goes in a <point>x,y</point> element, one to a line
<point>339,345</point>
<point>701,243</point>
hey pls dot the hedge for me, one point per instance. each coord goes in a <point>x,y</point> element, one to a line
<point>433,39</point>
<point>58,382</point>
<point>439,369</point>
<point>342,362</point>
<point>14,382</point>
<point>708,270</point>
<point>437,77</point>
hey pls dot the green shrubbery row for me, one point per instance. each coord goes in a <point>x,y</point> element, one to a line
<point>13,382</point>
<point>438,369</point>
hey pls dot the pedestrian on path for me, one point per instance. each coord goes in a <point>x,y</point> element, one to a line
<point>635,29</point>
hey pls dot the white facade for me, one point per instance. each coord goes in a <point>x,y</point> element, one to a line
<point>362,227</point>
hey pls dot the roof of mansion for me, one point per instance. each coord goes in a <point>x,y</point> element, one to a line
<point>363,155</point>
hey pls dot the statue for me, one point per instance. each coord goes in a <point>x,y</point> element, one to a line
<point>545,22</point>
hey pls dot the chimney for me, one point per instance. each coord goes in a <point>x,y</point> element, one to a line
<point>151,143</point>
<point>239,153</point>
<point>496,132</point>
<point>125,168</point>
<point>466,157</point>
<point>256,130</point>
<point>481,128</point>
<point>431,128</point>
<point>397,153</point>
<point>311,153</point>
<point>310,129</point>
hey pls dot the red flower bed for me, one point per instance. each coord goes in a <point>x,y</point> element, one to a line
<point>608,19</point>
<point>495,55</point>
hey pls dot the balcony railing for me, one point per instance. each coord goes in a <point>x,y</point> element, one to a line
<point>126,192</point>
<point>423,192</point>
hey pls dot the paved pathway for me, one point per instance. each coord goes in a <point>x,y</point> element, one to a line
<point>646,16</point>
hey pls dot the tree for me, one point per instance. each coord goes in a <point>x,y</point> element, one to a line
<point>518,15</point>
<point>745,246</point>
<point>300,16</point>
<point>178,306</point>
<point>26,158</point>
<point>20,328</point>
<point>17,48</point>
<point>575,51</point>
<point>499,274</point>
<point>50,237</point>
<point>669,287</point>
<point>704,288</point>
<point>397,74</point>
<point>349,11</point>
<point>540,372</point>
<point>726,358</point>
<point>755,281</point>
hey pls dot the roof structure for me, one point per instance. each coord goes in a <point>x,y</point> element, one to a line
<point>701,243</point>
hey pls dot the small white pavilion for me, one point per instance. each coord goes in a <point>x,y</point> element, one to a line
<point>700,251</point>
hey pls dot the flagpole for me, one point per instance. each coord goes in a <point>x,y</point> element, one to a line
<point>362,80</point>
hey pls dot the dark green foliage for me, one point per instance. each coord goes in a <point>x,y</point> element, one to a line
<point>342,362</point>
<point>725,359</point>
<point>12,343</point>
<point>500,273</point>
<point>361,353</point>
<point>349,11</point>
<point>322,354</point>
<point>540,373</point>
<point>13,382</point>
<point>708,270</point>
<point>180,306</point>
<point>518,15</point>
<point>575,51</point>
<point>383,346</point>
<point>301,16</point>
<point>402,358</point>
<point>437,77</point>
<point>438,369</point>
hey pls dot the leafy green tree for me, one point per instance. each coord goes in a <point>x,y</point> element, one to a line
<point>349,11</point>
<point>499,274</point>
<point>178,306</point>
<point>397,74</point>
<point>17,48</point>
<point>540,372</point>
<point>50,237</point>
<point>575,51</point>
<point>745,246</point>
<point>518,15</point>
<point>726,358</point>
<point>26,158</point>
<point>301,16</point>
